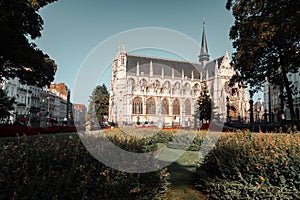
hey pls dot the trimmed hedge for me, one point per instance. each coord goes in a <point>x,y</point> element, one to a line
<point>59,167</point>
<point>252,166</point>
<point>179,139</point>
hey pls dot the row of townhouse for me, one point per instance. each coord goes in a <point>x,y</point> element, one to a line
<point>29,101</point>
<point>280,109</point>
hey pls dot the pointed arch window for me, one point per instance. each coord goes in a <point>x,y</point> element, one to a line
<point>157,84</point>
<point>165,107</point>
<point>187,86</point>
<point>188,105</point>
<point>137,106</point>
<point>176,107</point>
<point>167,84</point>
<point>150,106</point>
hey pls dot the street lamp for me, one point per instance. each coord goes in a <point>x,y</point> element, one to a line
<point>48,100</point>
<point>28,123</point>
<point>228,109</point>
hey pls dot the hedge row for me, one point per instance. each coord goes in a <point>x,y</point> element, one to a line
<point>60,167</point>
<point>252,166</point>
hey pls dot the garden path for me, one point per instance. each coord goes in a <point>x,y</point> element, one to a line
<point>182,175</point>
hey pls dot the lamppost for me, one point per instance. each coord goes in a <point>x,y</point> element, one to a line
<point>48,111</point>
<point>29,123</point>
<point>48,102</point>
<point>42,115</point>
<point>15,116</point>
<point>228,109</point>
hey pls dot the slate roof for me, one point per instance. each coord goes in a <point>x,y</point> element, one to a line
<point>167,65</point>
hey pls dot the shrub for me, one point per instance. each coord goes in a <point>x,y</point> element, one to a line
<point>60,167</point>
<point>188,140</point>
<point>252,166</point>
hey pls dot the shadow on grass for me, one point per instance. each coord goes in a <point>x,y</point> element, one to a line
<point>181,175</point>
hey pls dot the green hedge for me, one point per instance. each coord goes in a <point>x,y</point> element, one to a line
<point>252,166</point>
<point>179,139</point>
<point>59,167</point>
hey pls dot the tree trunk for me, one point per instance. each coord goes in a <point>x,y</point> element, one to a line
<point>281,99</point>
<point>251,109</point>
<point>289,95</point>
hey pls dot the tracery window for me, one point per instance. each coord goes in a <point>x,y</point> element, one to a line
<point>165,106</point>
<point>187,86</point>
<point>167,84</point>
<point>188,107</point>
<point>157,84</point>
<point>150,106</point>
<point>137,106</point>
<point>144,82</point>
<point>177,85</point>
<point>176,107</point>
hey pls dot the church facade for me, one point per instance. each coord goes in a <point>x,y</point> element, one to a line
<point>164,92</point>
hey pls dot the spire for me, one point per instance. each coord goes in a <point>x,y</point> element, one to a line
<point>204,56</point>
<point>123,48</point>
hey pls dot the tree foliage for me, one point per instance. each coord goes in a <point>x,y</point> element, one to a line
<point>205,104</point>
<point>266,37</point>
<point>19,57</point>
<point>6,104</point>
<point>99,103</point>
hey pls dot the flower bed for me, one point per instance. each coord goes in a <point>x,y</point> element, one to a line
<point>59,167</point>
<point>252,166</point>
<point>9,130</point>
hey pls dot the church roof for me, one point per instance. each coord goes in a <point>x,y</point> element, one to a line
<point>168,65</point>
<point>159,63</point>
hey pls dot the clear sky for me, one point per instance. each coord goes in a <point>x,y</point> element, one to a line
<point>73,28</point>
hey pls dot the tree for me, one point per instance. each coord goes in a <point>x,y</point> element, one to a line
<point>99,103</point>
<point>6,105</point>
<point>266,37</point>
<point>205,104</point>
<point>19,57</point>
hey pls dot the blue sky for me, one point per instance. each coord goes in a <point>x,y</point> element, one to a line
<point>73,28</point>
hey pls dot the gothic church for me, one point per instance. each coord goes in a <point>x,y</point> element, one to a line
<point>164,92</point>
